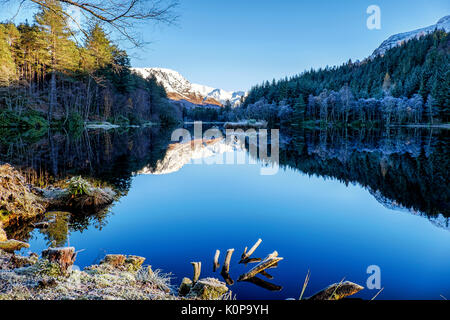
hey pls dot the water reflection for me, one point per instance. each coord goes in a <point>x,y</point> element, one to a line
<point>403,168</point>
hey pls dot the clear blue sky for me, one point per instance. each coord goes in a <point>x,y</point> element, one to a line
<point>235,44</point>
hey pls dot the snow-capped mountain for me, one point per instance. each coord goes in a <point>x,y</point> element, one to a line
<point>399,39</point>
<point>179,88</point>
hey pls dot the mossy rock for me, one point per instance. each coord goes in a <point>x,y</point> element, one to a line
<point>114,260</point>
<point>134,263</point>
<point>185,287</point>
<point>208,289</point>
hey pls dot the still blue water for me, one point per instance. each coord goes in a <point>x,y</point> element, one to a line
<point>322,225</point>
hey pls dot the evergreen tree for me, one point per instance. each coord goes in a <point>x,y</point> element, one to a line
<point>299,110</point>
<point>55,32</point>
<point>99,50</point>
<point>7,65</point>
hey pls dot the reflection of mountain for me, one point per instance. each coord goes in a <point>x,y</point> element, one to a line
<point>180,154</point>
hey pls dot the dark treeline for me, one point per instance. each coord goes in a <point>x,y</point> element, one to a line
<point>407,85</point>
<point>47,71</point>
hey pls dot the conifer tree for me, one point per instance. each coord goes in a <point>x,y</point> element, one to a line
<point>63,54</point>
<point>99,51</point>
<point>299,110</point>
<point>7,65</point>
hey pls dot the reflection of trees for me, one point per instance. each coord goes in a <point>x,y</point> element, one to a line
<point>404,167</point>
<point>103,157</point>
<point>109,156</point>
<point>58,229</point>
<point>408,166</point>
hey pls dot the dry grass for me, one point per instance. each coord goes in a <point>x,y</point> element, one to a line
<point>17,201</point>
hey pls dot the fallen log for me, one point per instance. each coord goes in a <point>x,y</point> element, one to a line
<point>269,261</point>
<point>216,261</point>
<point>64,257</point>
<point>246,255</point>
<point>337,291</point>
<point>197,270</point>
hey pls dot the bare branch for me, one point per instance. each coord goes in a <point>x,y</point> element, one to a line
<point>121,16</point>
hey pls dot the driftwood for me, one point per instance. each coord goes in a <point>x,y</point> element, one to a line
<point>337,291</point>
<point>269,261</point>
<point>226,276</point>
<point>250,260</point>
<point>246,255</point>
<point>226,264</point>
<point>197,269</point>
<point>226,268</point>
<point>265,274</point>
<point>64,257</point>
<point>216,261</point>
<point>264,284</point>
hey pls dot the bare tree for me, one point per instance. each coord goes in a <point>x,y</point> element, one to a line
<point>121,15</point>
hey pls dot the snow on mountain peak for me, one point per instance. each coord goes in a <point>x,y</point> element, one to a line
<point>399,39</point>
<point>179,88</point>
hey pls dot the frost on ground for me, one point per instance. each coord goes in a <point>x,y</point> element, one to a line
<point>116,277</point>
<point>43,280</point>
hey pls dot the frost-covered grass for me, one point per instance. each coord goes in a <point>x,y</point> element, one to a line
<point>42,281</point>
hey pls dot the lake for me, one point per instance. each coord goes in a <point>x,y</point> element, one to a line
<point>341,201</point>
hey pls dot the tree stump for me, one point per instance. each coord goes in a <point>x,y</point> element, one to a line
<point>64,257</point>
<point>216,261</point>
<point>197,270</point>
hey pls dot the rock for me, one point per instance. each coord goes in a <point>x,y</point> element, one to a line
<point>185,287</point>
<point>114,260</point>
<point>134,263</point>
<point>208,289</point>
<point>337,291</point>
<point>13,245</point>
<point>79,194</point>
<point>126,263</point>
<point>64,257</point>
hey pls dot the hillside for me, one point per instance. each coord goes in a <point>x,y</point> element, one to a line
<point>408,84</point>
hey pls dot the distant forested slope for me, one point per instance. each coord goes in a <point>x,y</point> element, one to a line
<point>408,84</point>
